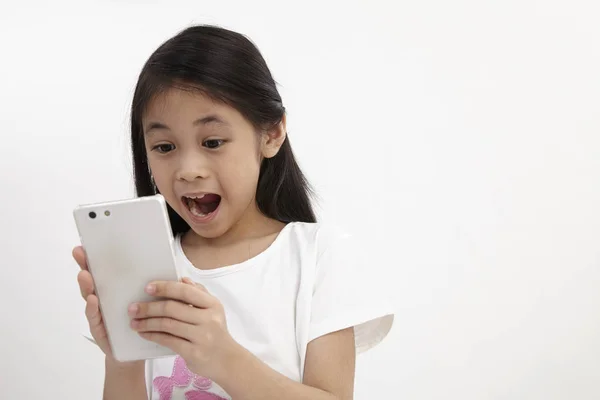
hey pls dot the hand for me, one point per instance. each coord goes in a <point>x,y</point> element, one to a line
<point>189,321</point>
<point>92,310</point>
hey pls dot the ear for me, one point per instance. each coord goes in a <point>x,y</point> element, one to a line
<point>273,139</point>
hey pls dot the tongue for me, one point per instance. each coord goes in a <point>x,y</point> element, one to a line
<point>208,203</point>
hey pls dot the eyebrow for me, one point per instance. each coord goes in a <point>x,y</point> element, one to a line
<point>209,119</point>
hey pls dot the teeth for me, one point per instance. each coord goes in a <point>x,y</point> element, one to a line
<point>196,197</point>
<point>195,210</point>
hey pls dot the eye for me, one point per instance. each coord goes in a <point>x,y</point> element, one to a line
<point>213,143</point>
<point>163,148</point>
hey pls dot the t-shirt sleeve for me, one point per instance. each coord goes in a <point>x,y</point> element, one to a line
<point>346,294</point>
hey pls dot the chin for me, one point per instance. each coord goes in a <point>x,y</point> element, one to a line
<point>212,230</point>
<point>208,233</point>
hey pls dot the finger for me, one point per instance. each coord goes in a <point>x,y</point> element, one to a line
<point>92,311</point>
<point>178,345</point>
<point>79,256</point>
<point>183,292</point>
<point>168,308</point>
<point>86,283</point>
<point>164,325</point>
<point>192,283</point>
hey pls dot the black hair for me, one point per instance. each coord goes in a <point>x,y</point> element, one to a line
<point>227,67</point>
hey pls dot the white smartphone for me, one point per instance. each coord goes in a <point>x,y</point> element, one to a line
<point>128,243</point>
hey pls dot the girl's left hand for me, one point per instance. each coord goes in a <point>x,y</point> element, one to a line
<point>189,321</point>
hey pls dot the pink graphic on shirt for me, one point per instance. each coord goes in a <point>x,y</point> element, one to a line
<point>181,377</point>
<point>202,395</point>
<point>202,383</point>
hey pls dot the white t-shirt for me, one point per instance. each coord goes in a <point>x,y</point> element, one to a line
<point>311,281</point>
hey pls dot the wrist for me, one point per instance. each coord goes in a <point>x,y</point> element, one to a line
<point>112,364</point>
<point>231,358</point>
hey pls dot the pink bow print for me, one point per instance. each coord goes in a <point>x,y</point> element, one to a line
<point>202,395</point>
<point>181,377</point>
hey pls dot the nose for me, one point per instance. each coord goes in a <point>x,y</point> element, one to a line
<point>193,166</point>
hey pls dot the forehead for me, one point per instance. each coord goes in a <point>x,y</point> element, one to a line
<point>175,103</point>
<point>181,109</point>
<point>183,112</point>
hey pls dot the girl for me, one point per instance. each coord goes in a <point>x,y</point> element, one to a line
<point>274,305</point>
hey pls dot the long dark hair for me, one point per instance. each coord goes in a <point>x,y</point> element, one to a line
<point>227,67</point>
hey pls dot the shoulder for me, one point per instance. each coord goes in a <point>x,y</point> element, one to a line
<point>318,236</point>
<point>344,289</point>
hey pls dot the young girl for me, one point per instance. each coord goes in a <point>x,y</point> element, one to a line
<point>273,304</point>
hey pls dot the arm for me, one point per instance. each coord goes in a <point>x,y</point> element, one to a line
<point>121,380</point>
<point>194,327</point>
<point>328,374</point>
<point>124,381</point>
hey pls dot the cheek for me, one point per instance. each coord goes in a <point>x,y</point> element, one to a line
<point>163,179</point>
<point>239,177</point>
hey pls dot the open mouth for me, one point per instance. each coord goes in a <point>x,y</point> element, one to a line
<point>202,205</point>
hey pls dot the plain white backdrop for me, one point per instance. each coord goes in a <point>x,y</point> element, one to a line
<point>461,139</point>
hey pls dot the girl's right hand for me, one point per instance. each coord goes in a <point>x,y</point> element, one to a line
<point>92,309</point>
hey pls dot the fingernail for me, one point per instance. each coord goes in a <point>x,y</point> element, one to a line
<point>151,289</point>
<point>133,309</point>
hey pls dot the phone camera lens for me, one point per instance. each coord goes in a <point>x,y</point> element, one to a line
<point>92,215</point>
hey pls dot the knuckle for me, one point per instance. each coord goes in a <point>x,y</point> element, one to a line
<point>170,307</point>
<point>217,313</point>
<point>142,324</point>
<point>90,313</point>
<point>164,289</point>
<point>81,278</point>
<point>165,323</point>
<point>187,294</point>
<point>159,288</point>
<point>215,319</point>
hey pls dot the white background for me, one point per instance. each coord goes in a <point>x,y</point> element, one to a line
<point>461,138</point>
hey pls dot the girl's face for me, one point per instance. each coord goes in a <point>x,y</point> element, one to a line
<point>205,159</point>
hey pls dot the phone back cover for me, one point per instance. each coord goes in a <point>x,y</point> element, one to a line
<point>126,250</point>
